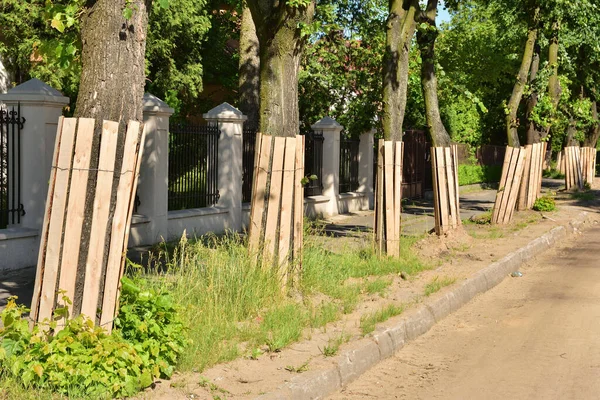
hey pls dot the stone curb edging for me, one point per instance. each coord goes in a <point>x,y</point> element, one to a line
<point>385,341</point>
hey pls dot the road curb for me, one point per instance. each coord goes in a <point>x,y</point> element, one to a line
<point>387,340</point>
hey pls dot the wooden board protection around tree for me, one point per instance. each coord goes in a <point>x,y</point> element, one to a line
<point>510,183</point>
<point>573,170</point>
<point>63,222</point>
<point>588,164</point>
<point>531,179</point>
<point>277,211</point>
<point>446,204</point>
<point>388,197</point>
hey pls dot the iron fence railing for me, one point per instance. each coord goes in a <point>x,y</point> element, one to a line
<point>11,209</point>
<point>248,151</point>
<point>313,163</point>
<point>349,165</point>
<point>193,166</point>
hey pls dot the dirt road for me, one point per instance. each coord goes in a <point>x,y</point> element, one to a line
<point>535,337</point>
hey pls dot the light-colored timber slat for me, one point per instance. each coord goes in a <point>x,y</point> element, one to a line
<point>502,187</point>
<point>100,218</point>
<point>514,192</point>
<point>117,247</point>
<point>453,211</point>
<point>35,302</point>
<point>298,205</point>
<point>57,217</point>
<point>274,200</point>
<point>286,216</point>
<point>76,207</point>
<point>258,191</point>
<point>390,223</point>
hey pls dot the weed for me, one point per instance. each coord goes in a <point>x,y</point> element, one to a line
<point>324,314</point>
<point>553,174</point>
<point>480,219</point>
<point>368,322</point>
<point>299,369</point>
<point>436,284</point>
<point>379,286</point>
<point>333,345</point>
<point>544,203</point>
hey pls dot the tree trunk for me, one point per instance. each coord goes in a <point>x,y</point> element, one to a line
<point>554,89</point>
<point>512,122</point>
<point>281,43</point>
<point>593,134</point>
<point>400,29</point>
<point>113,61</point>
<point>533,135</point>
<point>426,40</point>
<point>249,82</point>
<point>112,89</point>
<point>571,131</point>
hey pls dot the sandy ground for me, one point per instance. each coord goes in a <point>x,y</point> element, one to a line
<point>457,257</point>
<point>535,337</point>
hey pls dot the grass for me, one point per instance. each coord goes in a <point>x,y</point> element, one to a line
<point>583,196</point>
<point>237,309</point>
<point>553,174</point>
<point>369,321</point>
<point>333,345</point>
<point>470,174</point>
<point>437,284</point>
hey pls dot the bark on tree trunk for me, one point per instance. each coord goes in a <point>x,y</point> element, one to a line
<point>249,81</point>
<point>554,89</point>
<point>571,131</point>
<point>400,29</point>
<point>533,135</point>
<point>113,61</point>
<point>281,44</point>
<point>426,40</point>
<point>512,122</point>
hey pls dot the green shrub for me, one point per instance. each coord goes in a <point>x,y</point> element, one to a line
<point>544,203</point>
<point>470,174</point>
<point>82,359</point>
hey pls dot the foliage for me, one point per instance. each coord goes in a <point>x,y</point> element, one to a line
<point>82,359</point>
<point>150,320</point>
<point>544,203</point>
<point>437,284</point>
<point>470,174</point>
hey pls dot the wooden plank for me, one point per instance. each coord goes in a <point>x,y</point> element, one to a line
<point>35,301</point>
<point>271,230</point>
<point>579,172</point>
<point>298,204</point>
<point>57,218</point>
<point>514,192</point>
<point>502,184</point>
<point>379,214</point>
<point>509,185</point>
<point>138,163</point>
<point>442,187</point>
<point>566,156</point>
<point>451,187</point>
<point>398,159</point>
<point>126,189</point>
<point>76,207</point>
<point>435,178</point>
<point>559,161</point>
<point>258,191</point>
<point>100,218</point>
<point>533,176</point>
<point>390,223</point>
<point>527,175</point>
<point>456,187</point>
<point>286,216</point>
<point>541,172</point>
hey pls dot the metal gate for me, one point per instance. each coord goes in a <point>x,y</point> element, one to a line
<point>313,163</point>
<point>11,209</point>
<point>416,170</point>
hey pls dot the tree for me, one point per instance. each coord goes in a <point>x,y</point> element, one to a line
<point>281,43</point>
<point>400,28</point>
<point>249,68</point>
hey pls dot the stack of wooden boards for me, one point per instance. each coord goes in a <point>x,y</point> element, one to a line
<point>60,248</point>
<point>510,181</point>
<point>444,162</point>
<point>531,182</point>
<point>277,213</point>
<point>388,195</point>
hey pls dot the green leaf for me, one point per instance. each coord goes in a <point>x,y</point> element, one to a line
<point>127,12</point>
<point>57,23</point>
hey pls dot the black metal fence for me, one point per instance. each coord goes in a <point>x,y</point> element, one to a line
<point>193,166</point>
<point>11,123</point>
<point>349,166</point>
<point>313,163</point>
<point>248,151</point>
